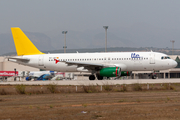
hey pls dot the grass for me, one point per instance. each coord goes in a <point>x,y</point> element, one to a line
<point>52,88</point>
<point>172,87</point>
<point>51,106</point>
<point>108,87</point>
<point>137,87</point>
<point>3,92</point>
<point>168,99</point>
<point>20,89</point>
<point>90,89</point>
<point>167,86</point>
<point>121,100</point>
<point>84,105</point>
<point>124,88</point>
<point>97,116</point>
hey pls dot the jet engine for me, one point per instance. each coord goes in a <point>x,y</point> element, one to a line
<point>113,72</point>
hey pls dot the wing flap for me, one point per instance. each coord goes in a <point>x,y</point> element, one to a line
<point>89,66</point>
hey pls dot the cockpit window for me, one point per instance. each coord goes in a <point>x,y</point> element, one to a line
<point>165,57</point>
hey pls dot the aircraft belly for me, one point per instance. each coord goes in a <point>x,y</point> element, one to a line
<point>137,65</point>
<point>61,67</point>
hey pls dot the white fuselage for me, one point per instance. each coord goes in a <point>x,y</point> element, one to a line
<point>127,61</point>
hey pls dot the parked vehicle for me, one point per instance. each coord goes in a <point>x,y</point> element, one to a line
<point>45,77</point>
<point>58,77</point>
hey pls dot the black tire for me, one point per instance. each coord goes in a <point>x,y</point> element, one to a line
<point>100,77</point>
<point>153,76</point>
<point>91,77</point>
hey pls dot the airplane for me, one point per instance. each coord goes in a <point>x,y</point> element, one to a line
<point>100,65</point>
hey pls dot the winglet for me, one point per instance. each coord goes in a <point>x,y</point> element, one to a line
<point>22,43</point>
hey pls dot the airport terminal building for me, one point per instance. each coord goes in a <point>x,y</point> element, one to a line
<point>10,67</point>
<point>6,65</point>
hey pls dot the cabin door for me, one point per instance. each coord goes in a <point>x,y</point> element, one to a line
<point>41,60</point>
<point>152,58</point>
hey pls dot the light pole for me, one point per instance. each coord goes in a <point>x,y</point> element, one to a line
<point>172,46</point>
<point>64,32</point>
<point>105,27</point>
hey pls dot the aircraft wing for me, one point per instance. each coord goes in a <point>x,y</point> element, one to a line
<point>89,66</point>
<point>94,66</point>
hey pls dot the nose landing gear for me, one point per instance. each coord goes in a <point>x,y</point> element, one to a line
<point>153,75</point>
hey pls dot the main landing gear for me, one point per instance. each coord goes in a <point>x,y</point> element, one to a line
<point>99,77</point>
<point>92,77</point>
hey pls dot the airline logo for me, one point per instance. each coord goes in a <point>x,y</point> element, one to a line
<point>134,55</point>
<point>56,60</point>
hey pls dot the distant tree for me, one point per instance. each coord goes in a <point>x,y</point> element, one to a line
<point>178,61</point>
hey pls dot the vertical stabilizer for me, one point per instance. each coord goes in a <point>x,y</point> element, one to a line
<point>22,43</point>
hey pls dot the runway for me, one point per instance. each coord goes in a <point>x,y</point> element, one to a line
<point>95,82</point>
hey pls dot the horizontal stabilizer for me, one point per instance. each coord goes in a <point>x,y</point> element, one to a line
<point>13,59</point>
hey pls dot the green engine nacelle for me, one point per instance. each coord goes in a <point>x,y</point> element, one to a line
<point>113,72</point>
<point>126,73</point>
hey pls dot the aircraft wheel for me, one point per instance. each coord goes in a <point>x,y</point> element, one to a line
<point>153,76</point>
<point>91,77</point>
<point>99,77</point>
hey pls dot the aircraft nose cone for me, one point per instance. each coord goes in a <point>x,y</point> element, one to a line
<point>174,63</point>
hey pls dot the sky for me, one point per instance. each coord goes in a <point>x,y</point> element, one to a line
<point>82,15</point>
